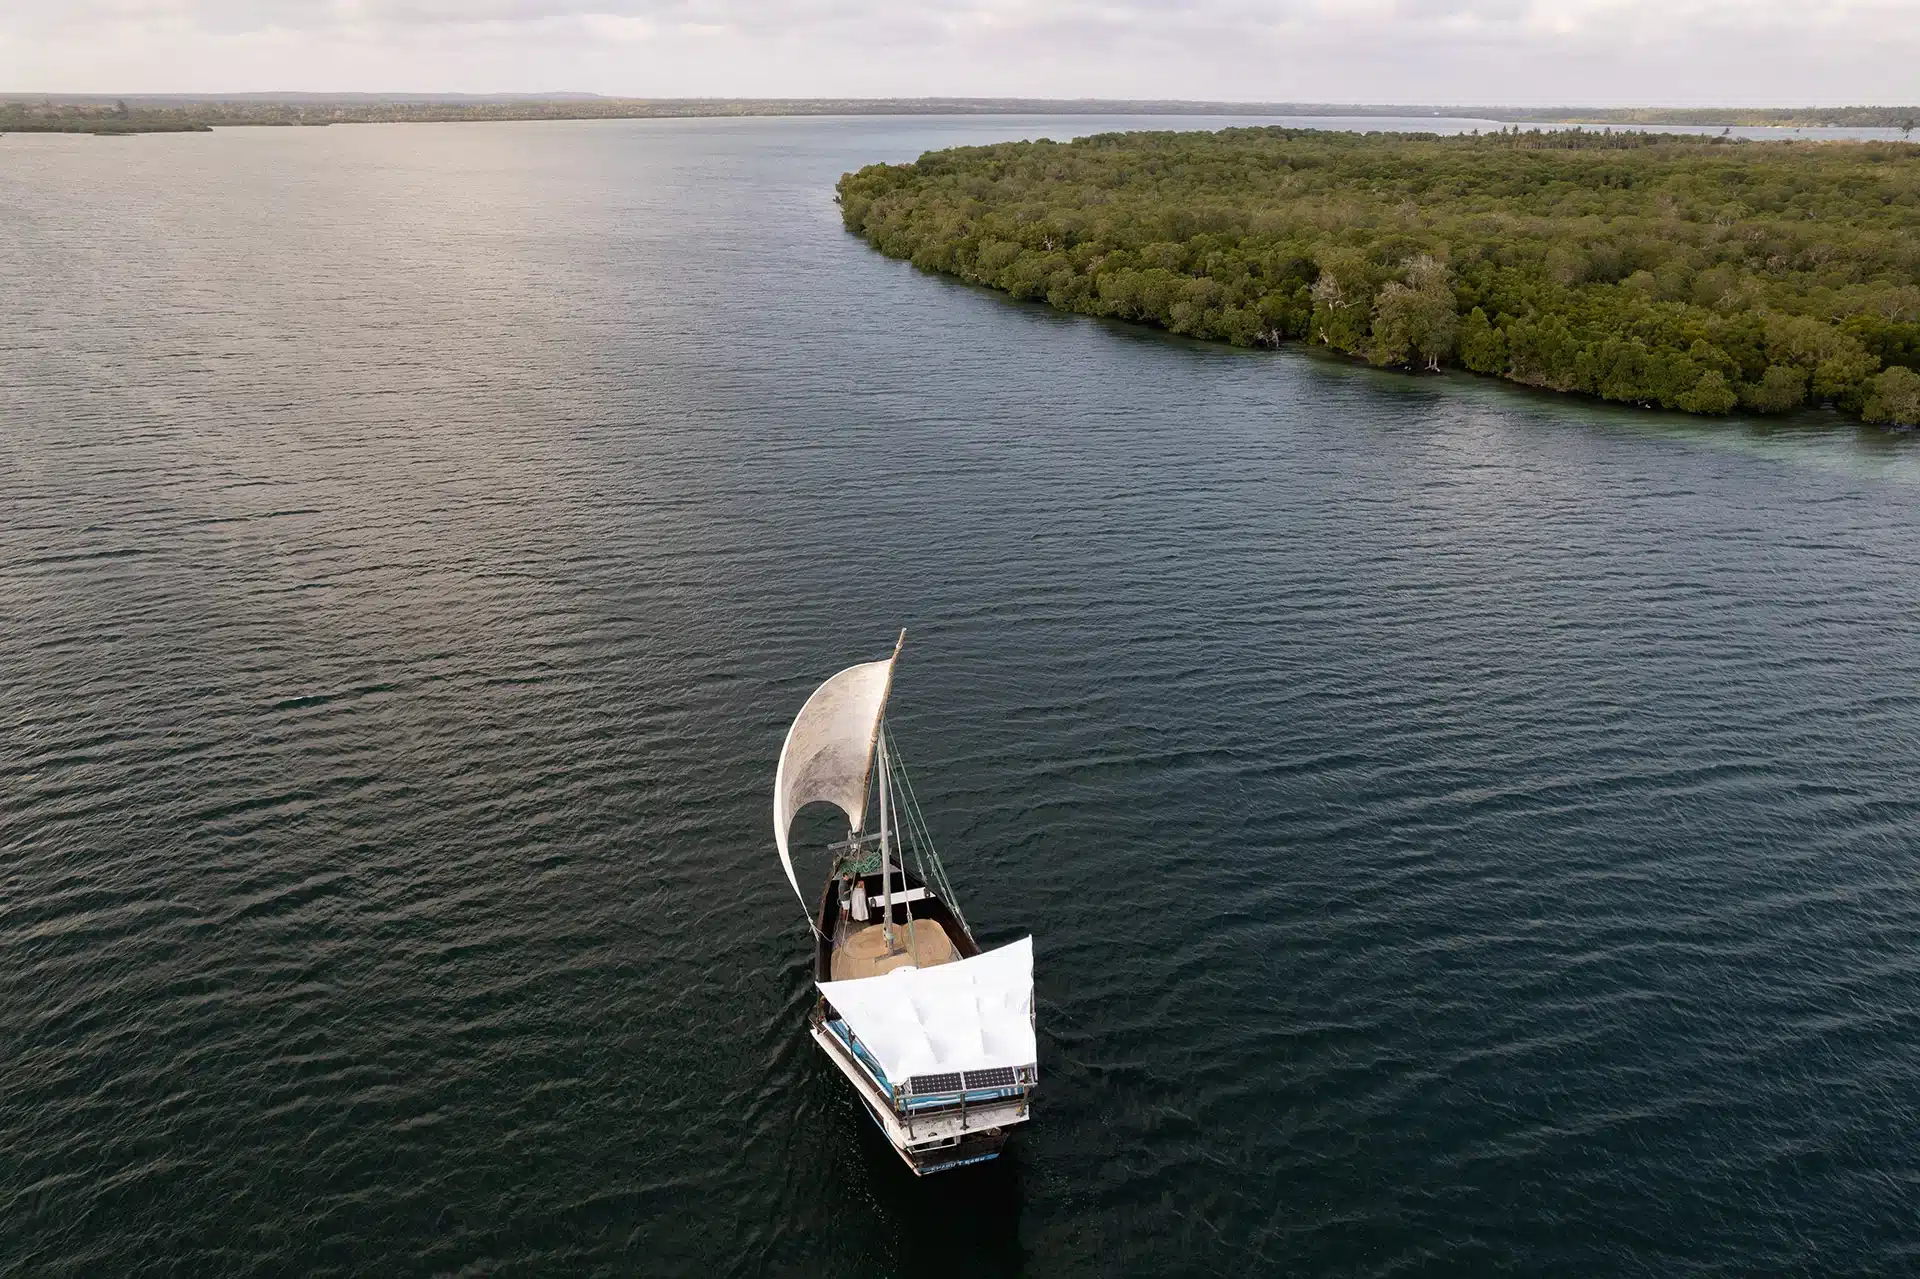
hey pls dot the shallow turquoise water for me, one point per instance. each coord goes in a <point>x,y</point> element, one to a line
<point>1462,829</point>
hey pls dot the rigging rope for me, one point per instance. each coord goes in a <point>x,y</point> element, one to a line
<point>919,836</point>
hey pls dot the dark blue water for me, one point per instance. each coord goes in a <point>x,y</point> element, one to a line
<point>1463,830</point>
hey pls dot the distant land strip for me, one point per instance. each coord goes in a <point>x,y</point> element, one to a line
<point>150,113</point>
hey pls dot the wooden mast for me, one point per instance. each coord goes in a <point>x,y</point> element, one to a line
<point>886,798</point>
<point>886,850</point>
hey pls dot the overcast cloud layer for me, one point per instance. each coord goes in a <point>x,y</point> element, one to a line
<point>1519,52</point>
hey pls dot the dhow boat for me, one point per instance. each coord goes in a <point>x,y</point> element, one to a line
<point>935,1035</point>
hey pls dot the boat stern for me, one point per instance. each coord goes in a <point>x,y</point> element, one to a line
<point>941,1123</point>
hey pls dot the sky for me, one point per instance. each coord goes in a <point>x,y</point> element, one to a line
<point>1474,52</point>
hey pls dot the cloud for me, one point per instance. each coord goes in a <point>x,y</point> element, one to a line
<point>1602,52</point>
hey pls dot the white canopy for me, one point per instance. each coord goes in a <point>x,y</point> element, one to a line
<point>972,1014</point>
<point>829,751</point>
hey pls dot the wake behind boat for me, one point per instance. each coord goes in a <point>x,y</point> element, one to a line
<point>935,1035</point>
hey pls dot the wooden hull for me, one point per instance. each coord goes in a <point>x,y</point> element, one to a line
<point>925,1143</point>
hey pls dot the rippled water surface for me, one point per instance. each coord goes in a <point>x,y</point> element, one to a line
<point>1463,830</point>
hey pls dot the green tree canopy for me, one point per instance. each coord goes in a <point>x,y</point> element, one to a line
<point>1689,273</point>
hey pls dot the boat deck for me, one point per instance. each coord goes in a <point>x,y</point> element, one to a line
<point>863,952</point>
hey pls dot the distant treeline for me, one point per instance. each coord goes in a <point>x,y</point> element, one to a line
<point>114,117</point>
<point>170,111</point>
<point>91,113</point>
<point>1681,272</point>
<point>1904,118</point>
<point>138,115</point>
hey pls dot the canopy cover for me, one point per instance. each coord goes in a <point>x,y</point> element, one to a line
<point>972,1014</point>
<point>829,751</point>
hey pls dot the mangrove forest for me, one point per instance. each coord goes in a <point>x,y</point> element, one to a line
<point>1684,272</point>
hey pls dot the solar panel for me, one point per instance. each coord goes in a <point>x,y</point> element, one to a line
<point>998,1077</point>
<point>921,1085</point>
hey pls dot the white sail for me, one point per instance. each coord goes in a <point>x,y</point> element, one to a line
<point>828,755</point>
